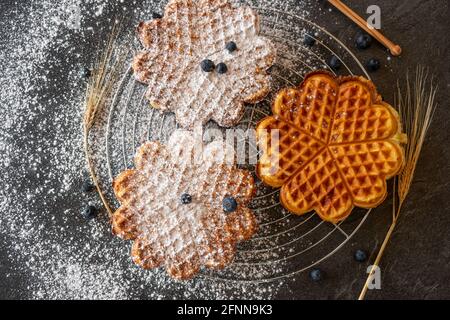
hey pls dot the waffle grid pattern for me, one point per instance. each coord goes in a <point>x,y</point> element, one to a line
<point>360,150</point>
<point>190,32</point>
<point>183,237</point>
<point>356,119</point>
<point>294,149</point>
<point>310,108</point>
<point>319,184</point>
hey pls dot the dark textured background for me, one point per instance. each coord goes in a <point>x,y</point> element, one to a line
<point>417,261</point>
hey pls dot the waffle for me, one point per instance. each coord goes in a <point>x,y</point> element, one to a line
<point>190,32</point>
<point>182,237</point>
<point>330,145</point>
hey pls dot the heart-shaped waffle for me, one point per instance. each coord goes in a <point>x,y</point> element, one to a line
<point>335,145</point>
<point>172,205</point>
<point>189,33</point>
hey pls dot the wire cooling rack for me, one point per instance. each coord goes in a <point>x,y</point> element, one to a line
<point>286,244</point>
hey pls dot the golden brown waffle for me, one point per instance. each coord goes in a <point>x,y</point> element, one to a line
<point>190,32</point>
<point>330,145</point>
<point>183,237</point>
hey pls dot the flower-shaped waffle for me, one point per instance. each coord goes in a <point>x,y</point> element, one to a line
<point>190,33</point>
<point>184,211</point>
<point>336,145</point>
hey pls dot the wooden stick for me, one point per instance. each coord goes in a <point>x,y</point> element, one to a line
<point>395,49</point>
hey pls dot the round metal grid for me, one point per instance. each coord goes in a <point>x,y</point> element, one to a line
<point>285,244</point>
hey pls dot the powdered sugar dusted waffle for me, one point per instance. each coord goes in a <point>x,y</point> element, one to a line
<point>203,60</point>
<point>184,208</point>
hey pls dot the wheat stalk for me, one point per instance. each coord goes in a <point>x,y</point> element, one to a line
<point>104,77</point>
<point>416,108</point>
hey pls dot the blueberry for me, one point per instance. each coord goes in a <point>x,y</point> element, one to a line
<point>231,46</point>
<point>186,198</point>
<point>363,41</point>
<point>207,65</point>
<point>90,212</point>
<point>222,68</point>
<point>87,186</point>
<point>85,73</point>
<point>229,204</point>
<point>334,63</point>
<point>156,15</point>
<point>373,64</point>
<point>309,40</point>
<point>360,255</point>
<point>316,275</point>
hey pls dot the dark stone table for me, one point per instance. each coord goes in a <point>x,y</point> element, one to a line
<point>416,263</point>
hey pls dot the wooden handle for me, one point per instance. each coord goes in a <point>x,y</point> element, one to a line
<point>395,49</point>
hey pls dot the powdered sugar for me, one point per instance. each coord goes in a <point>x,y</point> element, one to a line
<point>183,236</point>
<point>45,242</point>
<point>201,30</point>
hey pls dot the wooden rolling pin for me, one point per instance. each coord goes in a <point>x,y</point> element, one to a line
<point>395,49</point>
